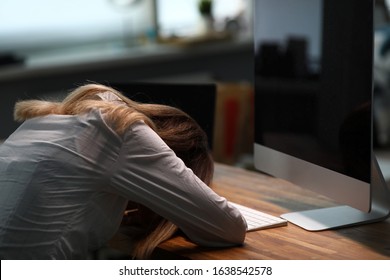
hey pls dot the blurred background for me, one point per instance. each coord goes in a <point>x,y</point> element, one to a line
<point>48,47</point>
<point>33,29</point>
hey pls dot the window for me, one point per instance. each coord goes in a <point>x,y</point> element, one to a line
<point>38,26</point>
<point>181,18</point>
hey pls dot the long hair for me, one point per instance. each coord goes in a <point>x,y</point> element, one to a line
<point>177,129</point>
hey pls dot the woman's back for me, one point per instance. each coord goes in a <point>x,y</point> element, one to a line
<point>54,189</point>
<point>68,172</point>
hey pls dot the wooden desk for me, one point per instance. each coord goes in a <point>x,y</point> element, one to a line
<point>276,196</point>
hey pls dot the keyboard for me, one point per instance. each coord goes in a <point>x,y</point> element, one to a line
<point>257,220</point>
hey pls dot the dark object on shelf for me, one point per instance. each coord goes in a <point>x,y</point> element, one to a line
<point>10,59</point>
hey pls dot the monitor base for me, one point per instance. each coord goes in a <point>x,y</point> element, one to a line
<point>343,216</point>
<point>331,218</point>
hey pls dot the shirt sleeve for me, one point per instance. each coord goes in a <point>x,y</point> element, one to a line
<point>148,172</point>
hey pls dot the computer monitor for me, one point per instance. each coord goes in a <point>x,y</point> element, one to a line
<point>196,99</point>
<point>313,109</point>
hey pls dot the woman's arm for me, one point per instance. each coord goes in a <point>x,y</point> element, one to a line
<point>148,172</point>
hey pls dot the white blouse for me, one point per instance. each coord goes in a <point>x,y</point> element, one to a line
<point>65,182</point>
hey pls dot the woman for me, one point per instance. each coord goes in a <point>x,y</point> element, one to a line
<point>71,170</point>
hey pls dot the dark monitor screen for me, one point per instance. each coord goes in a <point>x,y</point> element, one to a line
<point>197,100</point>
<point>313,82</point>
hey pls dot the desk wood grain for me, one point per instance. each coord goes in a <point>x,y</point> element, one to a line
<point>276,196</point>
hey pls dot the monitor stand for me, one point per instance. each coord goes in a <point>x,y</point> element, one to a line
<point>342,216</point>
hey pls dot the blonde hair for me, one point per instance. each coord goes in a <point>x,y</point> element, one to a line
<point>178,130</point>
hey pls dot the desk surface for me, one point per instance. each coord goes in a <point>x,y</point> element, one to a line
<point>276,196</point>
